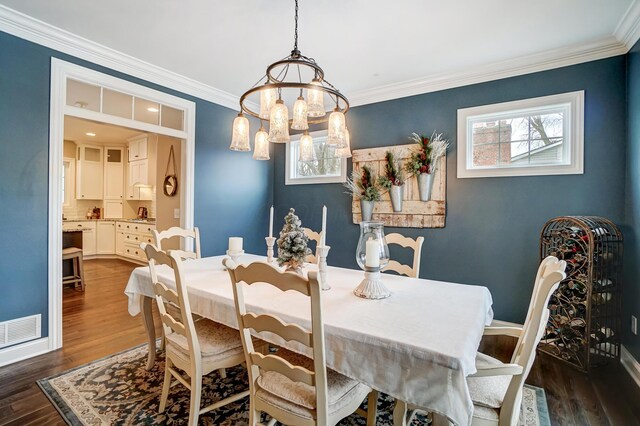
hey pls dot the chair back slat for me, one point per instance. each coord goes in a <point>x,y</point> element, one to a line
<point>260,272</point>
<point>166,293</point>
<point>174,325</point>
<point>317,237</point>
<point>242,277</point>
<point>295,373</point>
<point>416,245</point>
<point>182,233</point>
<point>275,325</point>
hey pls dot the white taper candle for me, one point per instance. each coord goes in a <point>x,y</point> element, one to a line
<point>324,226</point>
<point>271,222</point>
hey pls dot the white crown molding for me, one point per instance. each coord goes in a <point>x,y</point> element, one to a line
<point>34,30</point>
<point>550,59</point>
<point>630,364</point>
<point>628,29</point>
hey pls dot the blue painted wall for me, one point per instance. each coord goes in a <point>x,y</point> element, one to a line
<point>632,201</point>
<point>492,225</point>
<point>230,189</point>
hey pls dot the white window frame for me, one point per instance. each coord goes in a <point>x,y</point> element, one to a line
<point>290,166</point>
<point>574,136</point>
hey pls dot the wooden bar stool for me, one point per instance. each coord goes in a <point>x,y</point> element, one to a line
<point>75,255</point>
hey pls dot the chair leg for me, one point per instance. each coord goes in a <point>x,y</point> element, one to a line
<point>81,272</point>
<point>254,415</point>
<point>372,408</point>
<point>165,386</point>
<point>196,393</point>
<point>223,373</point>
<point>400,413</point>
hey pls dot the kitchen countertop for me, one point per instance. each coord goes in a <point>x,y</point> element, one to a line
<point>147,221</point>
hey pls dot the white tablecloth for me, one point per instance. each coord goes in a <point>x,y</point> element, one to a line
<point>417,345</point>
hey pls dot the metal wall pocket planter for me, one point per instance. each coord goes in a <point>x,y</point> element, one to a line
<point>366,207</point>
<point>425,183</point>
<point>396,192</point>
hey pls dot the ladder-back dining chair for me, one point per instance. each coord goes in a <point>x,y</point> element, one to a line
<point>197,348</point>
<point>317,237</point>
<point>293,389</point>
<point>415,245</point>
<point>183,234</point>
<point>496,388</point>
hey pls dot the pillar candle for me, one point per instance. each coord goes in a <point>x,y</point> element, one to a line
<point>235,244</point>
<point>271,222</point>
<point>372,254</point>
<point>324,226</point>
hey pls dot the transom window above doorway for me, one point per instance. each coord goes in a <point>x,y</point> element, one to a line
<point>119,104</point>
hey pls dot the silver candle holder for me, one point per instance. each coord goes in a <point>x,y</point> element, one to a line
<point>270,242</point>
<point>321,253</point>
<point>371,287</point>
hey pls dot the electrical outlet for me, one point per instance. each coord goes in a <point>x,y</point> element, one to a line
<point>634,325</point>
<point>176,213</point>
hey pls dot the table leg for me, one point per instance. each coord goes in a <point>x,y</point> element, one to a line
<point>400,413</point>
<point>440,420</point>
<point>147,319</point>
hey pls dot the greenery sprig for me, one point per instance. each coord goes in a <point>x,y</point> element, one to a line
<point>429,150</point>
<point>363,185</point>
<point>392,172</point>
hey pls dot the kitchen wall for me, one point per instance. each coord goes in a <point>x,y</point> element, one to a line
<point>221,209</point>
<point>166,205</point>
<point>632,202</point>
<point>492,228</point>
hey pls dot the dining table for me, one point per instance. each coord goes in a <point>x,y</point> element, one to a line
<point>418,345</point>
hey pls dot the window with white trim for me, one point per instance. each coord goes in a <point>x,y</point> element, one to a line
<point>325,167</point>
<point>538,136</point>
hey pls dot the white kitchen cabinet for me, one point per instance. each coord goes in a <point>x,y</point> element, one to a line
<point>120,242</point>
<point>113,209</point>
<point>89,238</point>
<point>129,236</point>
<point>114,173</point>
<point>89,173</point>
<point>138,148</point>
<point>106,240</point>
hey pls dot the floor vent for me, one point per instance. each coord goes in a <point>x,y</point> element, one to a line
<point>19,330</point>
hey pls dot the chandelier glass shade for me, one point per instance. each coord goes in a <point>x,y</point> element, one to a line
<point>299,81</point>
<point>261,148</point>
<point>307,152</point>
<point>346,151</point>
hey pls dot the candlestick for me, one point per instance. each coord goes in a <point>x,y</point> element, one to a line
<point>271,222</point>
<point>270,241</point>
<point>235,244</point>
<point>235,255</point>
<point>371,287</point>
<point>372,254</point>
<point>322,252</point>
<point>323,237</point>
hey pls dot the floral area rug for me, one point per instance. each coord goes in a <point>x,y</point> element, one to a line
<point>118,390</point>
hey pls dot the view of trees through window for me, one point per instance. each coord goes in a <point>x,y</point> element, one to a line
<point>525,139</point>
<point>325,163</point>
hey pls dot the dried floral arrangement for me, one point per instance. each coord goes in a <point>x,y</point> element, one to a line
<point>425,158</point>
<point>363,186</point>
<point>392,172</point>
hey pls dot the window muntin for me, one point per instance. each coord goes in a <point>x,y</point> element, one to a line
<point>531,137</point>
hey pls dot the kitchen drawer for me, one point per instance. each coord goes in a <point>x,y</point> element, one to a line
<point>134,251</point>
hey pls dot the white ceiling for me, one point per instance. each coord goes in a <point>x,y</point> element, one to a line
<point>76,129</point>
<point>361,44</point>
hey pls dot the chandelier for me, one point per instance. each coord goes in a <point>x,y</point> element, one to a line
<point>299,81</point>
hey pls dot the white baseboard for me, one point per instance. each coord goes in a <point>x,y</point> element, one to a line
<point>630,364</point>
<point>23,351</point>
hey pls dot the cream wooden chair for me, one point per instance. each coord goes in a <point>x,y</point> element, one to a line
<point>317,237</point>
<point>183,234</point>
<point>416,245</point>
<point>197,348</point>
<point>496,387</point>
<point>291,388</point>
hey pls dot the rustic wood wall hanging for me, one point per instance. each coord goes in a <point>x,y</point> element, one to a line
<point>415,213</point>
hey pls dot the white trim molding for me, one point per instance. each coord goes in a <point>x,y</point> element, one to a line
<point>24,350</point>
<point>628,29</point>
<point>556,58</point>
<point>630,364</point>
<point>61,71</point>
<point>34,30</point>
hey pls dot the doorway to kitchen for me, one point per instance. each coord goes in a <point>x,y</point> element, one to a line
<point>110,138</point>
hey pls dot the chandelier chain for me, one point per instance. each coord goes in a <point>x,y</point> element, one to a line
<point>295,41</point>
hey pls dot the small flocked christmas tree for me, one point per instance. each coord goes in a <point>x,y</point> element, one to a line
<point>292,244</point>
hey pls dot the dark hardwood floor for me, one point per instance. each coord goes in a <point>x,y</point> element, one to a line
<point>97,324</point>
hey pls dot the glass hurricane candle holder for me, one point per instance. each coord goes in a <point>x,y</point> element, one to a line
<point>372,255</point>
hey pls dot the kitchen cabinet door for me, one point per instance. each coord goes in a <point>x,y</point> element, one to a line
<point>90,173</point>
<point>106,238</point>
<point>114,174</point>
<point>138,148</point>
<point>89,239</point>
